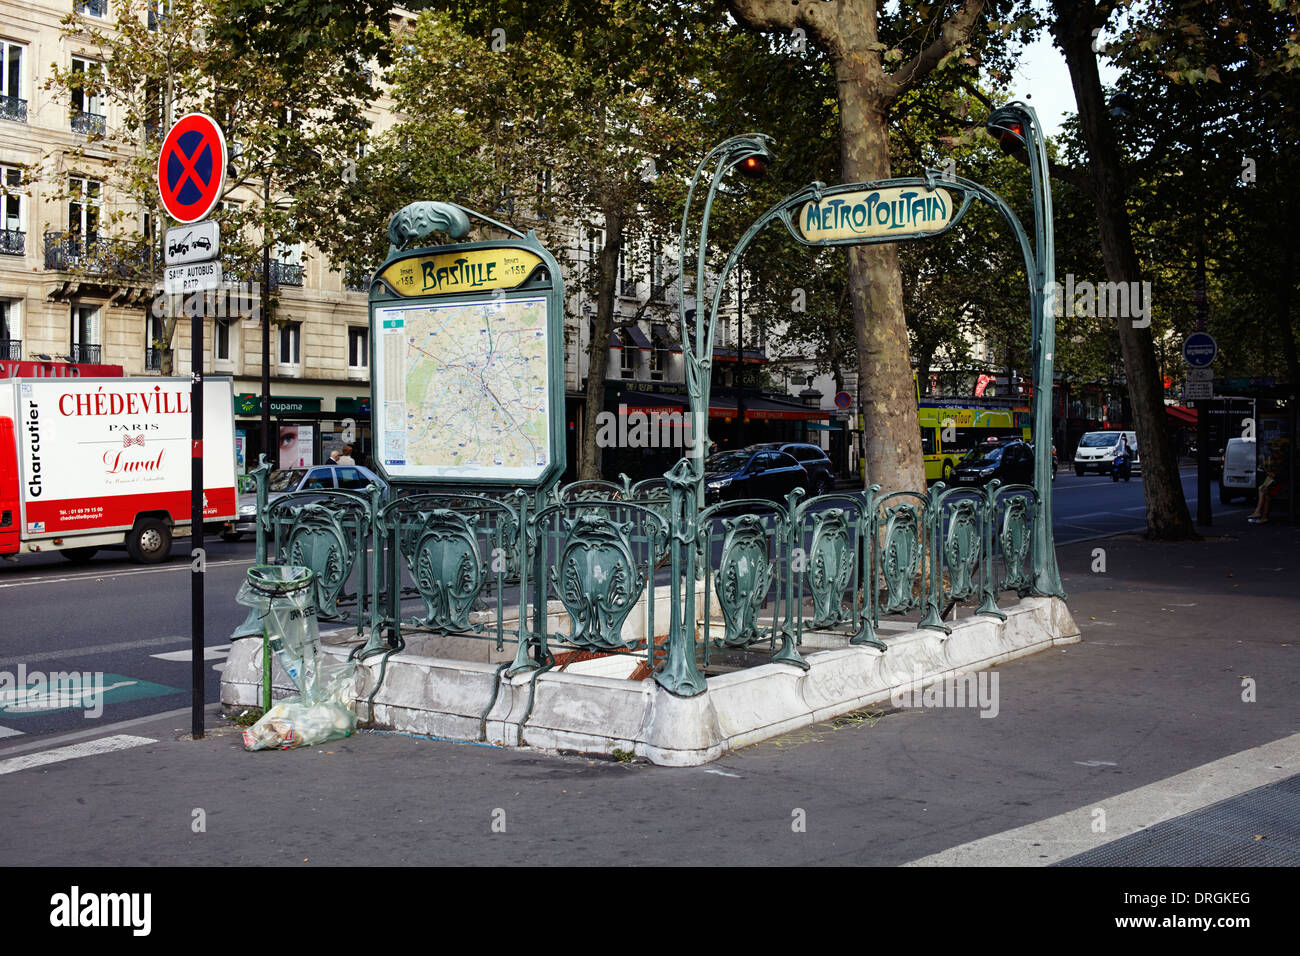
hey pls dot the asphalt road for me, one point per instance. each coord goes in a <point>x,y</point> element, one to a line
<point>132,623</point>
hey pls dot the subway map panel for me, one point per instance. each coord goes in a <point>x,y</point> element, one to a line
<point>463,389</point>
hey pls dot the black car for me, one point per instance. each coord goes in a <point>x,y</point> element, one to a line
<point>820,470</point>
<point>752,473</point>
<point>1011,462</point>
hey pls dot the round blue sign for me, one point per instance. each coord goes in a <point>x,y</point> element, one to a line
<point>1200,350</point>
<point>843,399</point>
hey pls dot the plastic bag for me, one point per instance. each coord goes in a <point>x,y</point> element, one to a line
<point>286,599</point>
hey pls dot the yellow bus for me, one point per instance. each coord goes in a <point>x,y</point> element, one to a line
<point>952,427</point>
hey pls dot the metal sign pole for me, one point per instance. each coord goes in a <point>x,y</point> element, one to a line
<point>197,563</point>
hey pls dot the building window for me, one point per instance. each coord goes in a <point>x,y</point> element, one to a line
<point>153,344</point>
<point>157,13</point>
<point>290,334</point>
<point>12,237</point>
<point>11,336</point>
<point>657,365</point>
<point>656,270</point>
<point>626,284</point>
<point>221,335</point>
<point>12,104</point>
<point>84,196</point>
<point>85,334</point>
<point>91,8</point>
<point>627,355</point>
<point>87,105</point>
<point>358,348</point>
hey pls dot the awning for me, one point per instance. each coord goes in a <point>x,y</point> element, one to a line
<point>663,339</point>
<point>1186,416</point>
<point>634,335</point>
<point>635,401</point>
<point>765,409</point>
<point>750,356</point>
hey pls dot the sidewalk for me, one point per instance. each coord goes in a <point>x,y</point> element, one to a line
<point>1170,631</point>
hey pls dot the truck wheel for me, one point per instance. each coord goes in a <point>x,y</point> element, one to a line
<point>149,542</point>
<point>79,555</point>
<point>230,536</point>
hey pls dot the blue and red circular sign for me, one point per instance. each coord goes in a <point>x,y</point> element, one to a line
<point>843,399</point>
<point>191,167</point>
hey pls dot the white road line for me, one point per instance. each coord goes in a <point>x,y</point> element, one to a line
<point>63,652</point>
<point>88,749</point>
<point>178,566</point>
<point>1056,838</point>
<point>212,652</point>
<point>10,732</point>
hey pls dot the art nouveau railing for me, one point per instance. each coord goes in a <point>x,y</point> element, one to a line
<point>572,573</point>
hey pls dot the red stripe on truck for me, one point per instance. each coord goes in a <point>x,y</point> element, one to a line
<point>118,511</point>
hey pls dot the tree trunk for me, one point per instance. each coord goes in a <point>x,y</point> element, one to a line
<point>1167,514</point>
<point>891,429</point>
<point>589,461</point>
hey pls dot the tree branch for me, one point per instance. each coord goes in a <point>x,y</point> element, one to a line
<point>954,32</point>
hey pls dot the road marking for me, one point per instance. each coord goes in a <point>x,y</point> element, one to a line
<point>1056,838</point>
<point>93,649</point>
<point>723,773</point>
<point>88,749</point>
<point>212,652</point>
<point>179,566</point>
<point>1096,763</point>
<point>10,732</point>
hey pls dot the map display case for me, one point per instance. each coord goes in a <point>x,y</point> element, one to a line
<point>467,365</point>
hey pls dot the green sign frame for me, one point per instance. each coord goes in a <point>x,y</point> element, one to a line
<point>467,282</point>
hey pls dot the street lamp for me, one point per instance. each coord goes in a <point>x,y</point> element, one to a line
<point>752,155</point>
<point>1016,126</point>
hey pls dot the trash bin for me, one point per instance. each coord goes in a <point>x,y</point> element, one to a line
<point>284,601</point>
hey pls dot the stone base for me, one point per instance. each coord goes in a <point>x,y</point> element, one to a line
<point>474,701</point>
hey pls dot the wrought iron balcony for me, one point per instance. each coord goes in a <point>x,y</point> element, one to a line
<point>356,279</point>
<point>152,359</point>
<point>98,255</point>
<point>85,354</point>
<point>11,349</point>
<point>13,242</point>
<point>285,273</point>
<point>13,108</point>
<point>89,124</point>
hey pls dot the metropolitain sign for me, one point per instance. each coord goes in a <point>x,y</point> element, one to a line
<point>880,215</point>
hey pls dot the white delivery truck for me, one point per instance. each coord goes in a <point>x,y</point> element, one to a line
<point>89,463</point>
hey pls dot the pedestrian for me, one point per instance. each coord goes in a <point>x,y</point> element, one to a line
<point>1273,483</point>
<point>334,456</point>
<point>346,458</point>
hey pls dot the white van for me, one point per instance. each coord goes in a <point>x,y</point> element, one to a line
<point>1096,452</point>
<point>1240,469</point>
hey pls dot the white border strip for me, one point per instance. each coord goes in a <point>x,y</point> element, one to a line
<point>89,749</point>
<point>1057,838</point>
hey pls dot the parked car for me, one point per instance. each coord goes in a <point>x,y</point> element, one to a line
<point>285,480</point>
<point>1096,452</point>
<point>1011,462</point>
<point>752,473</point>
<point>820,470</point>
<point>1239,473</point>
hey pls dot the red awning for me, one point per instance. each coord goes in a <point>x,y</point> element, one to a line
<point>764,409</point>
<point>1179,414</point>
